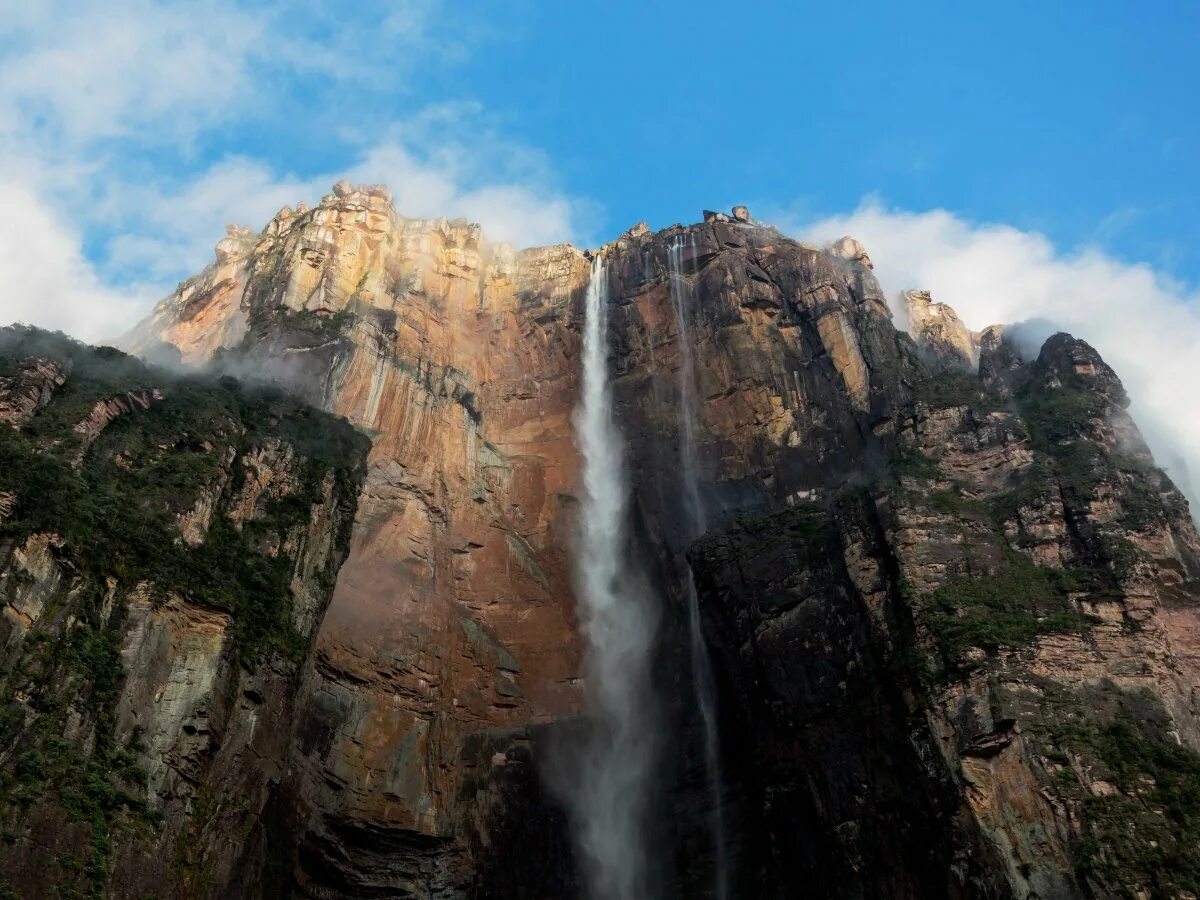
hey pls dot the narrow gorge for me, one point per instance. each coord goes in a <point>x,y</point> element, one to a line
<point>394,563</point>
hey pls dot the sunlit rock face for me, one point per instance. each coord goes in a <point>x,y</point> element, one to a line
<point>450,637</point>
<point>945,342</point>
<point>932,598</point>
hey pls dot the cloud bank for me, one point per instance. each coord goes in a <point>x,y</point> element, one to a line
<point>44,278</point>
<point>1145,325</point>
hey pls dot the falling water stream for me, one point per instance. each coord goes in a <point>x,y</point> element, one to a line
<point>612,790</point>
<point>696,518</point>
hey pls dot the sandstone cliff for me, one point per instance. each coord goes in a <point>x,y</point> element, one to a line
<point>944,341</point>
<point>450,639</point>
<point>952,616</point>
<point>168,547</point>
<point>1005,614</point>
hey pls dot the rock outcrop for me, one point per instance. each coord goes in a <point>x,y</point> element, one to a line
<point>28,389</point>
<point>952,617</point>
<point>1010,611</point>
<point>944,341</point>
<point>450,639</point>
<point>450,647</point>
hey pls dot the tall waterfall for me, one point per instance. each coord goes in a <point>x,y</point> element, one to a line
<point>703,683</point>
<point>611,793</point>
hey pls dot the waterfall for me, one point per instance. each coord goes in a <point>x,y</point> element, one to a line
<point>703,684</point>
<point>611,790</point>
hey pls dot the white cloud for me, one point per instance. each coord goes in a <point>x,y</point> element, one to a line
<point>109,113</point>
<point>76,72</point>
<point>465,168</point>
<point>169,231</point>
<point>45,280</point>
<point>171,234</point>
<point>1145,325</point>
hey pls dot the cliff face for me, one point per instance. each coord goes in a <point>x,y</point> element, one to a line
<point>1006,615</point>
<point>450,638</point>
<point>167,548</point>
<point>952,617</point>
<point>945,343</point>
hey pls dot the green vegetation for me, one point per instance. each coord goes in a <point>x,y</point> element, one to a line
<point>1058,416</point>
<point>953,502</point>
<point>115,512</point>
<point>805,527</point>
<point>911,463</point>
<point>1007,608</point>
<point>1002,609</point>
<point>98,374</point>
<point>73,680</point>
<point>1036,484</point>
<point>318,323</point>
<point>114,507</point>
<point>1148,834</point>
<point>948,389</point>
<point>1061,423</point>
<point>1144,839</point>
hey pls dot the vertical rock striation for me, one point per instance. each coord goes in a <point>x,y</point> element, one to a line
<point>1005,614</point>
<point>451,640</point>
<point>944,341</point>
<point>696,521</point>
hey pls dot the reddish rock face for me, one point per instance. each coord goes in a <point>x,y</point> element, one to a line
<point>451,632</point>
<point>885,737</point>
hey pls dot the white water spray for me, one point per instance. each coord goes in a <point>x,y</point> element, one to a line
<point>611,795</point>
<point>703,683</point>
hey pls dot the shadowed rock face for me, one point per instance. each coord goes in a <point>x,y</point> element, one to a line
<point>1006,616</point>
<point>168,547</point>
<point>932,599</point>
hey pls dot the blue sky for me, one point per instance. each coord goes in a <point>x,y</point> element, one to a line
<point>1077,120</point>
<point>1036,160</point>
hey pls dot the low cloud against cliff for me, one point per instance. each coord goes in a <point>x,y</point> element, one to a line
<point>1145,324</point>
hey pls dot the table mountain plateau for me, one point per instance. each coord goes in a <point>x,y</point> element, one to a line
<point>298,618</point>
